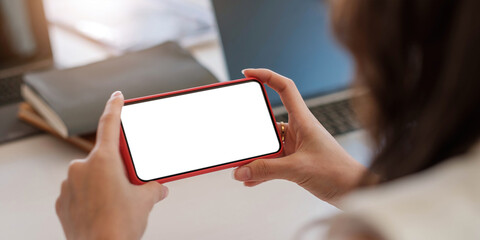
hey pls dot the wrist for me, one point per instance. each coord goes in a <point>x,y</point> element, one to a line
<point>331,183</point>
<point>109,228</point>
<point>107,233</point>
<point>347,178</point>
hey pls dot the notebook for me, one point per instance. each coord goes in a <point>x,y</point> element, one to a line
<point>72,100</point>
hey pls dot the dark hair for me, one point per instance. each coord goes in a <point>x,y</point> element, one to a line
<point>420,64</point>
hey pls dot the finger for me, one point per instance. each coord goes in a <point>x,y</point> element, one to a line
<point>109,125</point>
<point>279,126</point>
<point>253,183</point>
<point>156,190</point>
<point>64,188</point>
<point>75,168</point>
<point>61,198</point>
<point>285,87</point>
<point>285,127</point>
<point>266,169</point>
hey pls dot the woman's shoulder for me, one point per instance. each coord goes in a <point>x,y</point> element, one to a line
<point>439,203</point>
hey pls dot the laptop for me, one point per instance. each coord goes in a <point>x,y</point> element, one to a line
<point>294,39</point>
<point>25,47</point>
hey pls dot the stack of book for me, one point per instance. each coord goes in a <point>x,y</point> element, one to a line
<point>68,103</point>
<point>27,114</point>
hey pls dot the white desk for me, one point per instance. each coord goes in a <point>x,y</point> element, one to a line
<point>211,206</point>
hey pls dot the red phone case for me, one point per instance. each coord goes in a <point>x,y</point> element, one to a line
<point>124,151</point>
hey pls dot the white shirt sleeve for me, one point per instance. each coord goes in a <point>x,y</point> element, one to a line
<point>441,203</point>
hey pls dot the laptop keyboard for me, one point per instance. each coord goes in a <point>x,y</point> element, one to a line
<point>10,90</point>
<point>337,117</point>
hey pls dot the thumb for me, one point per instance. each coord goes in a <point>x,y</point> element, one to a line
<point>156,190</point>
<point>108,131</point>
<point>266,169</point>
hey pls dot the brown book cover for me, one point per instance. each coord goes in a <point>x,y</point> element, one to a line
<point>27,114</point>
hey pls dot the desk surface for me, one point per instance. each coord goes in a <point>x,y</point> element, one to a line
<point>210,206</point>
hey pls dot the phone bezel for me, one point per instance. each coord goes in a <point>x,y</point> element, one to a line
<point>127,157</point>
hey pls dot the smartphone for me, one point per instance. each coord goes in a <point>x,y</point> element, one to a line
<point>184,133</point>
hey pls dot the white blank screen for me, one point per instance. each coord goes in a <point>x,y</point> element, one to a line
<point>192,131</point>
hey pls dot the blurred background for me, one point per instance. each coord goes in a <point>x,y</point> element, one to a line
<point>291,38</point>
<point>119,26</point>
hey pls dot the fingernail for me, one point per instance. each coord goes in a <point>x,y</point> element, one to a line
<point>243,71</point>
<point>243,174</point>
<point>116,94</point>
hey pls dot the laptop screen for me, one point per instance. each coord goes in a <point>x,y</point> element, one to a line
<point>292,38</point>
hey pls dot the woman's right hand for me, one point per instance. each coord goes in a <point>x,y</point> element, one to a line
<point>311,158</point>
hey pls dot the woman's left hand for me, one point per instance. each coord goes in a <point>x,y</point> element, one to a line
<point>312,157</point>
<point>97,201</point>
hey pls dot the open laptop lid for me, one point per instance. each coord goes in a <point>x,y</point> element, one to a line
<point>290,37</point>
<point>23,37</point>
